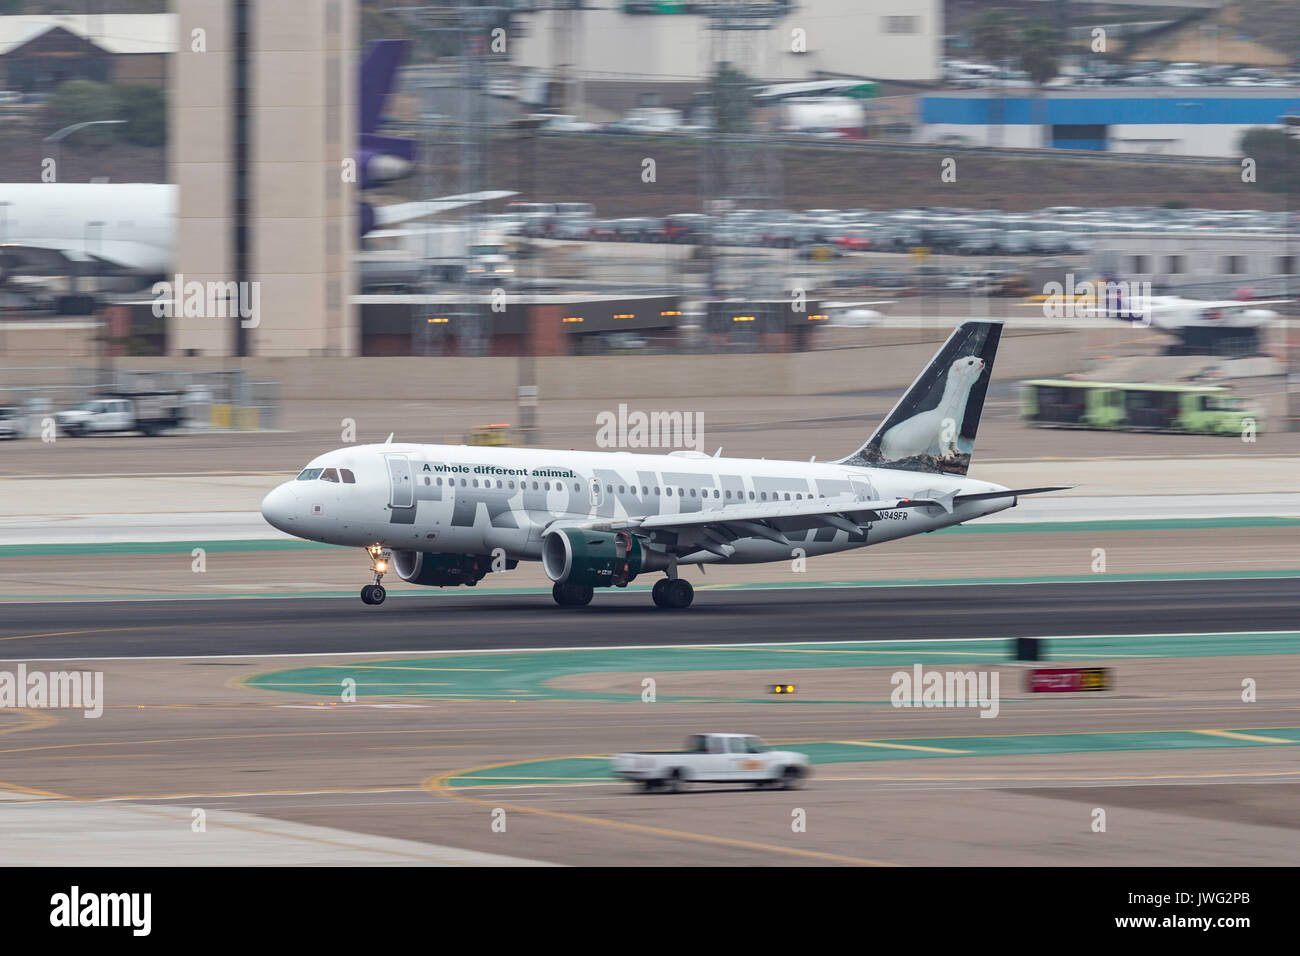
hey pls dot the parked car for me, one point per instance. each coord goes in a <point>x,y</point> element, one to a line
<point>11,422</point>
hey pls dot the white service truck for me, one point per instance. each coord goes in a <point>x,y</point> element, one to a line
<point>714,758</point>
<point>147,412</point>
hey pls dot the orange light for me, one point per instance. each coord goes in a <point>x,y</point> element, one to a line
<point>742,318</point>
<point>439,321</point>
<point>670,312</point>
<point>571,318</point>
<point>816,318</point>
<point>625,315</point>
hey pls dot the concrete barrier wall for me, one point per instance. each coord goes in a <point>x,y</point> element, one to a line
<point>1024,354</point>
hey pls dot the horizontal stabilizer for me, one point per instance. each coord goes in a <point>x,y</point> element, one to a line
<point>1012,492</point>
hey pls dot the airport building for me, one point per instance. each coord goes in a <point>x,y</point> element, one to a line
<point>262,117</point>
<point>643,54</point>
<point>1210,265</point>
<point>1176,122</point>
<point>37,53</point>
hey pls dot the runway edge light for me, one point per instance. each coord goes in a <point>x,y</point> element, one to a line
<point>782,688</point>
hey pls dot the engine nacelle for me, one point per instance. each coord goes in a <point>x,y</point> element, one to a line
<point>600,559</point>
<point>444,570</point>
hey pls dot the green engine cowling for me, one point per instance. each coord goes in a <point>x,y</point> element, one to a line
<point>444,570</point>
<point>599,559</point>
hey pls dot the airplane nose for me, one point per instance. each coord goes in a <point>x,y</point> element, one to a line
<point>280,507</point>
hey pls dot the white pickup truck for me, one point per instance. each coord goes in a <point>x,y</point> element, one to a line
<point>713,758</point>
<point>150,413</point>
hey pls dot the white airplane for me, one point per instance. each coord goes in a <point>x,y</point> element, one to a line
<point>130,228</point>
<point>855,315</point>
<point>1173,313</point>
<point>443,515</point>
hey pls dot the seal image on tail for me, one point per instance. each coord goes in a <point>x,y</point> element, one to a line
<point>932,428</point>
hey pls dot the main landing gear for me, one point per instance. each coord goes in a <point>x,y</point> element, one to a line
<point>673,593</point>
<point>570,594</point>
<point>379,558</point>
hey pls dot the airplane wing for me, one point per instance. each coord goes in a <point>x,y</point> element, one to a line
<point>405,211</point>
<point>713,531</point>
<point>1231,303</point>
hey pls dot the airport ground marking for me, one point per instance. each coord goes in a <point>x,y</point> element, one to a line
<point>263,736</point>
<point>92,630</point>
<point>216,821</point>
<point>1238,735</point>
<point>882,743</point>
<point>29,720</point>
<point>553,768</point>
<point>435,785</point>
<point>533,674</point>
<point>31,791</point>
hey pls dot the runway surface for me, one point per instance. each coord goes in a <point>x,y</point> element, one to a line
<point>466,620</point>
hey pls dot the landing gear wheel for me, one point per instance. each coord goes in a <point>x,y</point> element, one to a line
<point>567,594</point>
<point>365,594</point>
<point>678,593</point>
<point>658,592</point>
<point>377,594</point>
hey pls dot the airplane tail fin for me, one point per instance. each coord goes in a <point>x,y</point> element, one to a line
<point>377,72</point>
<point>933,426</point>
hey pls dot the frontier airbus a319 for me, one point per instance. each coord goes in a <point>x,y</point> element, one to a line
<point>446,515</point>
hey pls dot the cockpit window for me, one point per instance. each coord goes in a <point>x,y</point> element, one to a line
<point>348,477</point>
<point>330,474</point>
<point>309,474</point>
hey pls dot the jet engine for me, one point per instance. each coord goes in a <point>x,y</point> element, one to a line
<point>444,570</point>
<point>598,559</point>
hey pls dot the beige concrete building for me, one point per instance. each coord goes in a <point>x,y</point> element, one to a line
<point>611,53</point>
<point>263,117</point>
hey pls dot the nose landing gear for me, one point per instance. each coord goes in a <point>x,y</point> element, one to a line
<point>379,560</point>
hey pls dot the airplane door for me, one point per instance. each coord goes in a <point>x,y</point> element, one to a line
<point>862,489</point>
<point>401,490</point>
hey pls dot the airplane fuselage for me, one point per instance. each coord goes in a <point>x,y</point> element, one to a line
<point>475,500</point>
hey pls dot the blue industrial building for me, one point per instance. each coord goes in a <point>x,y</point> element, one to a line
<point>1205,122</point>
